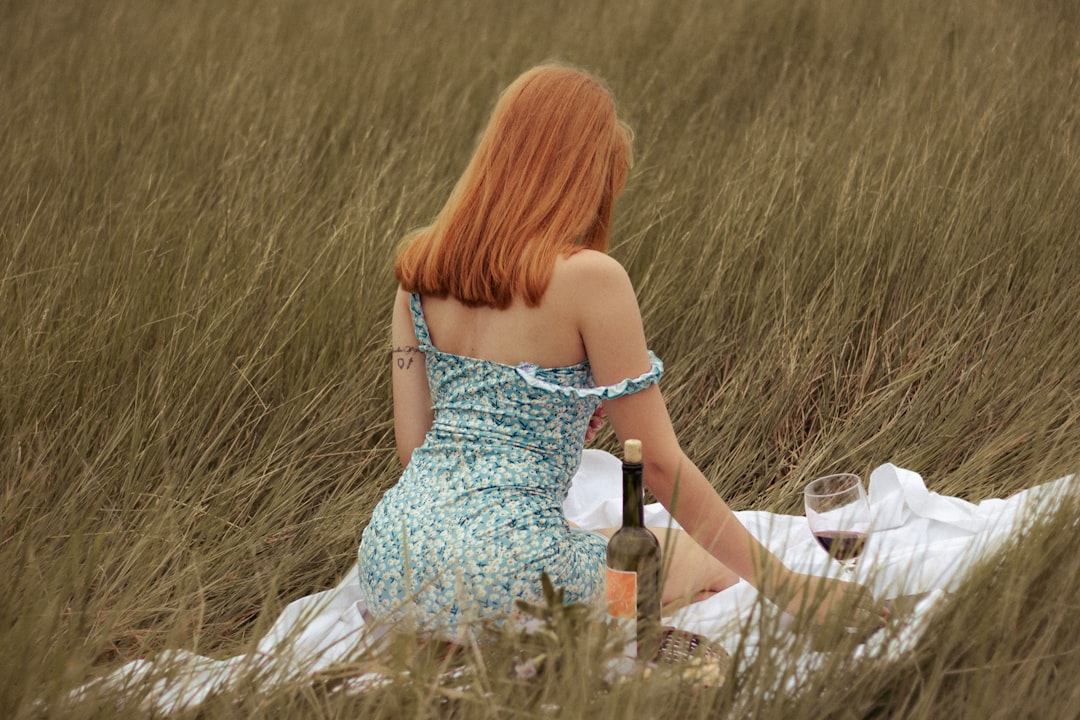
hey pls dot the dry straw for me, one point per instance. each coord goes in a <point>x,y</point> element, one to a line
<point>853,226</point>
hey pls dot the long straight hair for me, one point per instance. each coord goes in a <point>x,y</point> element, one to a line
<point>542,183</point>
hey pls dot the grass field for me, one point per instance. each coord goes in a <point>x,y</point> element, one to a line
<point>854,228</point>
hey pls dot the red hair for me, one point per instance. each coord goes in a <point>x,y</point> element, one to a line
<point>542,183</point>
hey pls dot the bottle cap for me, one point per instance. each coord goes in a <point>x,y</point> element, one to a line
<point>632,451</point>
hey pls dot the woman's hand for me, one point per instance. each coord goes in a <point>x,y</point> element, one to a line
<point>595,423</point>
<point>837,603</point>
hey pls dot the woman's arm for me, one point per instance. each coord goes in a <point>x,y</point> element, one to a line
<point>614,338</point>
<point>612,331</point>
<point>412,397</point>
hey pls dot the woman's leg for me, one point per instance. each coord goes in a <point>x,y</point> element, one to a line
<point>690,572</point>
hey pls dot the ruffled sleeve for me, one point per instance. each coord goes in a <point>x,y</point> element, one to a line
<point>528,372</point>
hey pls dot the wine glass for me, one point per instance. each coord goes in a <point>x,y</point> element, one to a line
<point>839,516</point>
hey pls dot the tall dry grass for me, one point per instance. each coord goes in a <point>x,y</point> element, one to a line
<point>853,226</point>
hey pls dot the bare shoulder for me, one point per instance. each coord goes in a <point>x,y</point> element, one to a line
<point>591,272</point>
<point>592,262</point>
<point>595,291</point>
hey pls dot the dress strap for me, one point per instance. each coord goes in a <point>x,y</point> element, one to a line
<point>528,372</point>
<point>419,324</point>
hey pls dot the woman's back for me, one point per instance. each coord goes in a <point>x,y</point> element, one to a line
<point>547,335</point>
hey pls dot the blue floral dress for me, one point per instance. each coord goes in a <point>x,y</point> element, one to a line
<point>477,514</point>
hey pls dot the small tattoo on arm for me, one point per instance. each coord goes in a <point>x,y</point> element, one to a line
<point>405,355</point>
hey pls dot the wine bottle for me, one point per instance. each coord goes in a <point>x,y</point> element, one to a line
<point>633,565</point>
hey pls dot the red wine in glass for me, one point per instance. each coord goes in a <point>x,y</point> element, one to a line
<point>843,545</point>
<point>838,513</point>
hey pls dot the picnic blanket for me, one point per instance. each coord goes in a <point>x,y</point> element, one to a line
<point>920,543</point>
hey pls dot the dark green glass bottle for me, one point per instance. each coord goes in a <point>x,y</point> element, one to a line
<point>633,564</point>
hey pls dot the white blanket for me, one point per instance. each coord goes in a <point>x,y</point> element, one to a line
<point>920,542</point>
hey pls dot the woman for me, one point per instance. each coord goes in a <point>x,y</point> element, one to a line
<point>512,329</point>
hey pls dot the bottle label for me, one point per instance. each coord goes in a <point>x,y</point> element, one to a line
<point>622,594</point>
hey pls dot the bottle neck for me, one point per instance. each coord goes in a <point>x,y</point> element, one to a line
<point>633,495</point>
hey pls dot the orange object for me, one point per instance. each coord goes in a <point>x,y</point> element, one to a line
<point>622,594</point>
